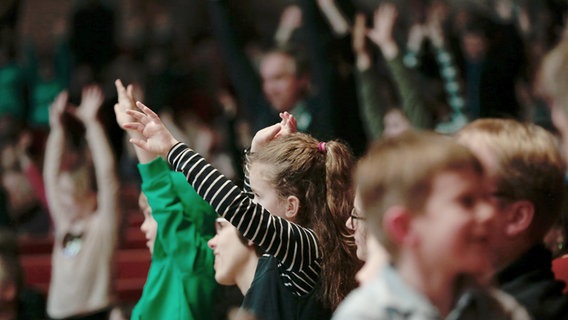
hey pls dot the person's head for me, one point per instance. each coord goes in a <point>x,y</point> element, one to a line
<point>423,197</point>
<point>395,122</point>
<point>552,85</point>
<point>308,182</point>
<point>78,191</point>
<point>235,256</point>
<point>357,224</point>
<point>525,179</point>
<point>475,39</point>
<point>149,226</point>
<point>284,79</point>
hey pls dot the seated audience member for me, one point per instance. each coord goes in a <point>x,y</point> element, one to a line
<point>368,248</point>
<point>526,183</point>
<point>426,205</point>
<point>309,262</point>
<point>236,258</point>
<point>85,213</point>
<point>177,224</point>
<point>553,87</point>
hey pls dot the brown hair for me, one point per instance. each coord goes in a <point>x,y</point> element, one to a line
<point>320,176</point>
<point>529,165</point>
<point>400,170</point>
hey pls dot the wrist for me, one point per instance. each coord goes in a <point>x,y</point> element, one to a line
<point>363,62</point>
<point>389,50</point>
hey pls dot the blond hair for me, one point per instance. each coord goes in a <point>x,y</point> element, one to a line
<point>400,170</point>
<point>529,165</point>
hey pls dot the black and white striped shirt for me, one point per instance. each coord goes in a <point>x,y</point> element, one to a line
<point>295,247</point>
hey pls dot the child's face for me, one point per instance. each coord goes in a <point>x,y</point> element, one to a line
<point>453,231</point>
<point>74,200</point>
<point>230,253</point>
<point>359,228</point>
<point>264,192</point>
<point>149,226</point>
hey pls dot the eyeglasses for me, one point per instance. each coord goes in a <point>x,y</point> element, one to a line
<point>355,218</point>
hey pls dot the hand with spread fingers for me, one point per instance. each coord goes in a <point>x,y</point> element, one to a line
<point>155,137</point>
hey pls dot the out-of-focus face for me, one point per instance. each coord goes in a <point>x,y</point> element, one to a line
<point>454,229</point>
<point>73,198</point>
<point>263,191</point>
<point>377,257</point>
<point>231,255</point>
<point>498,238</point>
<point>474,46</point>
<point>395,123</point>
<point>357,224</point>
<point>280,83</point>
<point>149,226</point>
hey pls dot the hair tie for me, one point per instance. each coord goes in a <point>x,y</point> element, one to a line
<point>321,147</point>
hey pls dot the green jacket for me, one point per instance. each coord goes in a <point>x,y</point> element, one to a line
<point>181,280</point>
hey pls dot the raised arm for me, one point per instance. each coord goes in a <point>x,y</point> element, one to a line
<point>273,234</point>
<point>373,106</point>
<point>448,70</point>
<point>179,211</point>
<point>381,34</point>
<point>334,16</point>
<point>125,102</point>
<point>54,149</point>
<point>240,69</point>
<point>103,158</point>
<point>290,21</point>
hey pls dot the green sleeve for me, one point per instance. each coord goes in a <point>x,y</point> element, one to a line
<point>372,105</point>
<point>412,102</point>
<point>185,221</point>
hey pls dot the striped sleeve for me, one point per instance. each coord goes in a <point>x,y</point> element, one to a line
<point>295,247</point>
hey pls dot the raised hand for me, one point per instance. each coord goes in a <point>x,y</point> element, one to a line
<point>125,102</point>
<point>155,137</point>
<point>265,135</point>
<point>288,124</point>
<point>434,30</point>
<point>290,20</point>
<point>57,109</point>
<point>91,101</point>
<point>359,35</point>
<point>381,34</point>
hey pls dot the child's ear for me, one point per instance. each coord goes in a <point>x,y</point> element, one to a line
<point>292,207</point>
<point>520,215</point>
<point>396,221</point>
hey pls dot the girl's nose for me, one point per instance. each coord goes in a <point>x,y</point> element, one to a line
<point>212,243</point>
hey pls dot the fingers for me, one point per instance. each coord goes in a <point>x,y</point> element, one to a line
<point>273,130</point>
<point>147,110</point>
<point>134,126</point>
<point>120,89</point>
<point>138,142</point>
<point>137,115</point>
